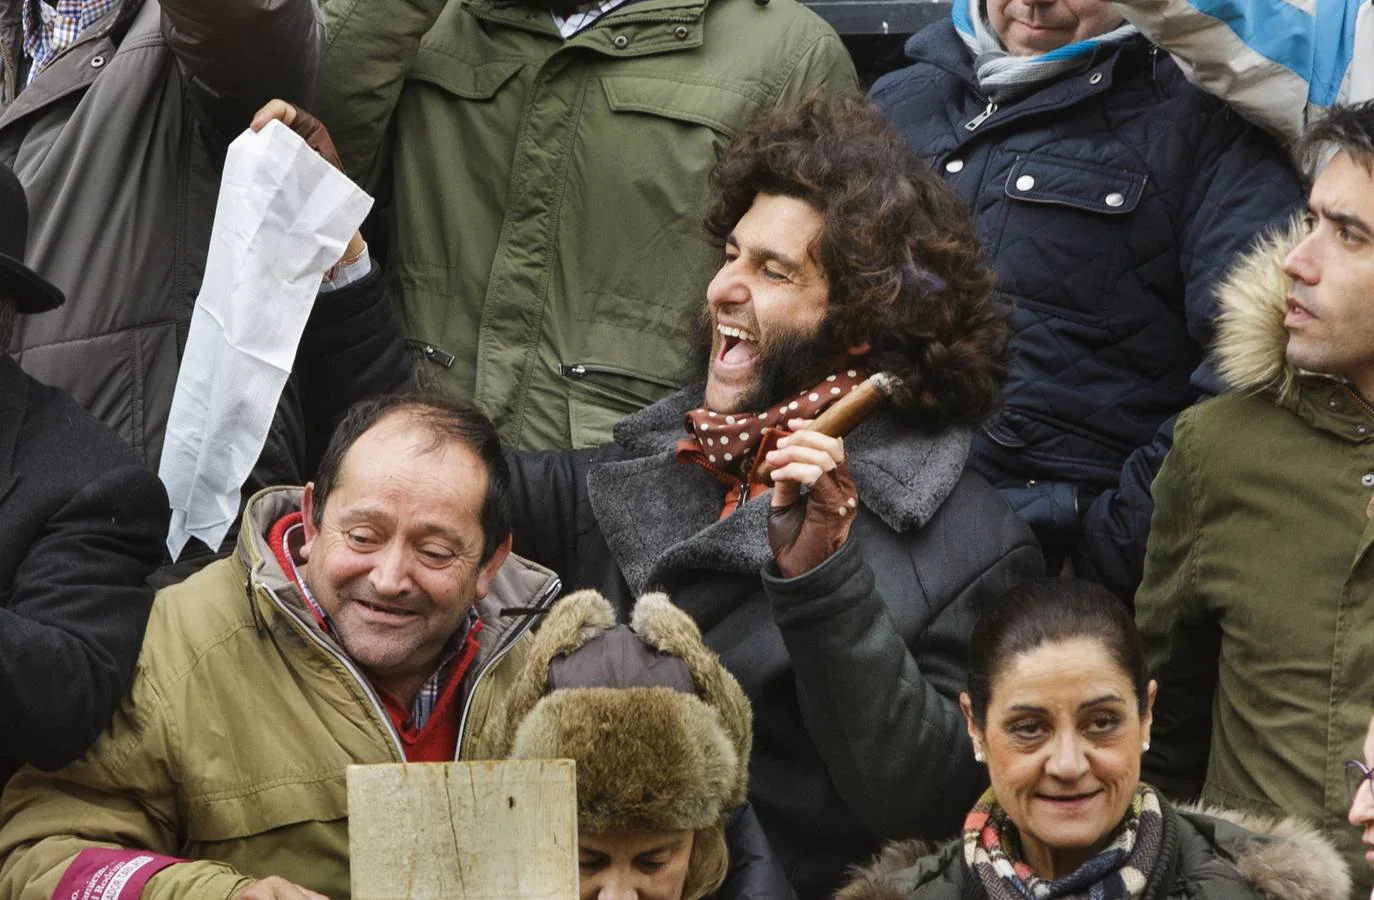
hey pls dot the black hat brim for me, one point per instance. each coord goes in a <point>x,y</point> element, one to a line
<point>30,292</point>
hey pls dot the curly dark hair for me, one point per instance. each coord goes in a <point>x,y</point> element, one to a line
<point>898,247</point>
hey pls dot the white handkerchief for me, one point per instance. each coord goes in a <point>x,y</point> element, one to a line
<point>284,217</point>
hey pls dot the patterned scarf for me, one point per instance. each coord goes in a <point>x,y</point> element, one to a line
<point>727,445</point>
<point>1003,77</point>
<point>1119,872</point>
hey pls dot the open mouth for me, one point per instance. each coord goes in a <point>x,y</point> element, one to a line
<point>384,613</point>
<point>1297,313</point>
<point>737,346</point>
<point>1069,799</point>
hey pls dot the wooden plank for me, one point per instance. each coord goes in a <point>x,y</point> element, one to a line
<point>464,830</point>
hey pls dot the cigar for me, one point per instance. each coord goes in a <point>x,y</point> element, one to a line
<point>844,415</point>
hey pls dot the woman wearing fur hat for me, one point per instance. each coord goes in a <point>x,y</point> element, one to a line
<point>660,733</point>
<point>1059,708</point>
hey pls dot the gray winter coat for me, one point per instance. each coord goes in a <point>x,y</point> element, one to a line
<point>119,143</point>
<point>854,668</point>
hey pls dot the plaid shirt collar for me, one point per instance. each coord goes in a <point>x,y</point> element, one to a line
<point>50,30</point>
<point>422,707</point>
<point>583,15</point>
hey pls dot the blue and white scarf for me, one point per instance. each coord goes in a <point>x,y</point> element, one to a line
<point>1003,77</point>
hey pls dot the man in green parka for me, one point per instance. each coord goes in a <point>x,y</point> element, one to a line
<point>548,169</point>
<point>1257,606</point>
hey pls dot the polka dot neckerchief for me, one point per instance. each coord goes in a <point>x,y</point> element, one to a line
<point>727,445</point>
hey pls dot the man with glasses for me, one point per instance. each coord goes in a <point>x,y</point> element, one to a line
<point>1257,606</point>
<point>1361,794</point>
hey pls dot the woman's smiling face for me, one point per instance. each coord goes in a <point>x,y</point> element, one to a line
<point>1062,741</point>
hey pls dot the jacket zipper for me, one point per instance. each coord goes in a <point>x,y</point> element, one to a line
<point>437,355</point>
<point>347,664</point>
<point>578,371</point>
<point>972,124</point>
<point>541,602</point>
<point>11,74</point>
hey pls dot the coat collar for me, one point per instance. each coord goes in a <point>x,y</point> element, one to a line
<point>940,46</point>
<point>1251,342</point>
<point>659,516</point>
<point>1287,859</point>
<point>650,26</point>
<point>14,406</point>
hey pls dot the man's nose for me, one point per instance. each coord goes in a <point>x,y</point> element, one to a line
<point>1299,264</point>
<point>390,571</point>
<point>727,287</point>
<point>1361,812</point>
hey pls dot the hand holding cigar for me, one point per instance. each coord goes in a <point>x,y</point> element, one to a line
<point>842,417</point>
<point>805,530</point>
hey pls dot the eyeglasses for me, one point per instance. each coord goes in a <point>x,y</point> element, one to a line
<point>1356,774</point>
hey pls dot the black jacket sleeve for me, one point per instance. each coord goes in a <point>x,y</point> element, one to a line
<point>235,55</point>
<point>72,620</point>
<point>550,514</point>
<point>755,873</point>
<point>885,715</point>
<point>1243,184</point>
<point>352,348</point>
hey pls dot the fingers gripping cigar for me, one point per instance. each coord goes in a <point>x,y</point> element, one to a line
<point>842,417</point>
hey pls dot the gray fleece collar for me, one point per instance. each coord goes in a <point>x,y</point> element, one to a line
<point>659,516</point>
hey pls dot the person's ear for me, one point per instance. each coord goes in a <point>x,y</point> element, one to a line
<point>861,349</point>
<point>975,734</point>
<point>486,573</point>
<point>1151,691</point>
<point>308,521</point>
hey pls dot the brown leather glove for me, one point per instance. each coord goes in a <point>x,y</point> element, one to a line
<point>317,136</point>
<point>806,533</point>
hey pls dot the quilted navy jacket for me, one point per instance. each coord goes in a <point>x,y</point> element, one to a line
<point>1110,201</point>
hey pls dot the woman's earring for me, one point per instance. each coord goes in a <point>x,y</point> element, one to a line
<point>977,755</point>
<point>1145,747</point>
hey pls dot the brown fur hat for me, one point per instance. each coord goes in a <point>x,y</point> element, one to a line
<point>649,754</point>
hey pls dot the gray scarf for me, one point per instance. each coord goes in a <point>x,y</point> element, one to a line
<point>1003,77</point>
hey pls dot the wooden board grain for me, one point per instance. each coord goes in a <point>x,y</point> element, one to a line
<point>463,830</point>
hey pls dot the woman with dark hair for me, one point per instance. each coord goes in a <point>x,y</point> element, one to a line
<point>1058,707</point>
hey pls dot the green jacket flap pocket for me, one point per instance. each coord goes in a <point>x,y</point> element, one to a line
<point>471,81</point>
<point>723,109</point>
<point>234,815</point>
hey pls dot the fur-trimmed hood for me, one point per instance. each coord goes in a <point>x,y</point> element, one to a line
<point>1285,859</point>
<point>1251,342</point>
<point>660,731</point>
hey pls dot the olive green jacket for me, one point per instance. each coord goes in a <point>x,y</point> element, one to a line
<point>232,748</point>
<point>1257,607</point>
<point>547,252</point>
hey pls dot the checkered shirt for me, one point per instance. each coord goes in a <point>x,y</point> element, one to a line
<point>50,30</point>
<point>583,15</point>
<point>422,707</point>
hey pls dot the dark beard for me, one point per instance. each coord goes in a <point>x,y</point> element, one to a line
<point>785,364</point>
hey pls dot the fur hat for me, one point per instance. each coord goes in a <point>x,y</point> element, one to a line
<point>660,732</point>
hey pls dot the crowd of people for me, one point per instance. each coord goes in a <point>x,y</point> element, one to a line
<point>960,491</point>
